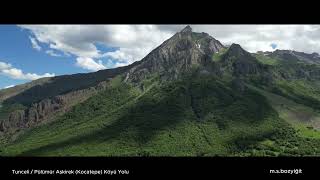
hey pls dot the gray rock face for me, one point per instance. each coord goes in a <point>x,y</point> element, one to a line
<point>30,116</point>
<point>176,55</point>
<point>47,108</point>
<point>187,29</point>
<point>241,62</point>
<point>236,50</point>
<point>16,119</point>
<point>244,68</point>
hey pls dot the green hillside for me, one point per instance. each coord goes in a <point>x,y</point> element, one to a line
<point>196,116</point>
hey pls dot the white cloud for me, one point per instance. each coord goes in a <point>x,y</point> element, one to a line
<point>126,56</point>
<point>136,41</point>
<point>7,70</point>
<point>133,41</point>
<point>89,64</point>
<point>52,53</point>
<point>4,66</point>
<point>34,43</point>
<point>254,38</point>
<point>10,86</point>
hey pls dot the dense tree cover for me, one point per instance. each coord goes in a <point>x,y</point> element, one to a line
<point>195,116</point>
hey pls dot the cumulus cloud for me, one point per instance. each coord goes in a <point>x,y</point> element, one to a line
<point>126,56</point>
<point>133,41</point>
<point>136,41</point>
<point>34,43</point>
<point>255,38</point>
<point>8,70</point>
<point>89,64</point>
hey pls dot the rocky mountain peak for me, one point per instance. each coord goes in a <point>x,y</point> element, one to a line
<point>177,54</point>
<point>237,50</point>
<point>187,29</point>
<point>235,46</point>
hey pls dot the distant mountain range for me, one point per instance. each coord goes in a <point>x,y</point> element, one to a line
<point>191,96</point>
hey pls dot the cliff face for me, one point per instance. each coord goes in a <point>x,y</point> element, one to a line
<point>35,114</point>
<point>45,98</point>
<point>47,109</point>
<point>240,62</point>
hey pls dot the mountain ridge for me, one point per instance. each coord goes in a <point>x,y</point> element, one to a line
<point>190,96</point>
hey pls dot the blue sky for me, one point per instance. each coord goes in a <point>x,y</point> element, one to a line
<point>273,45</point>
<point>16,49</point>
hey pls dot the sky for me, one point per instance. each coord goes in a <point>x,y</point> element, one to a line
<point>29,52</point>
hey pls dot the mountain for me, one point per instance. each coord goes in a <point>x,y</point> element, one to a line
<point>289,55</point>
<point>190,96</point>
<point>176,55</point>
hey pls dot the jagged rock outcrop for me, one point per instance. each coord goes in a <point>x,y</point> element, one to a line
<point>187,29</point>
<point>15,119</point>
<point>241,63</point>
<point>36,113</point>
<point>176,55</point>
